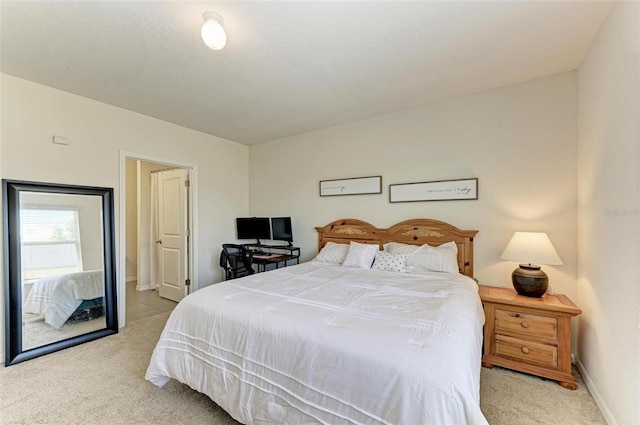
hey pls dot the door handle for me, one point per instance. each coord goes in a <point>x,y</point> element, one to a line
<point>159,241</point>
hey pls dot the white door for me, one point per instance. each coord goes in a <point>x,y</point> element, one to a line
<point>173,233</point>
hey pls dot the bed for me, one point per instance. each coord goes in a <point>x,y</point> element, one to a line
<point>66,296</point>
<point>322,342</point>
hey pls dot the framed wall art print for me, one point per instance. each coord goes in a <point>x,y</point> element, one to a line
<point>352,186</point>
<point>442,190</point>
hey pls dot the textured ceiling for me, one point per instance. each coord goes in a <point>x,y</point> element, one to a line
<point>289,66</point>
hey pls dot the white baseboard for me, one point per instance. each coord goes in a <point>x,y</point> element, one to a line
<point>608,417</point>
<point>132,278</point>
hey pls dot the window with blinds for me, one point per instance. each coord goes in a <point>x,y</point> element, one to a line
<point>50,242</point>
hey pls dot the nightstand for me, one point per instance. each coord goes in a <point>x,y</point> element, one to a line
<point>531,335</point>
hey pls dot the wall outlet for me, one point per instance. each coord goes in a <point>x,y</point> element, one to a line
<point>60,140</point>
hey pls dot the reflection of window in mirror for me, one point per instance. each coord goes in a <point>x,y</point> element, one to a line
<point>50,242</point>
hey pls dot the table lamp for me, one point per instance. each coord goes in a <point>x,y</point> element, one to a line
<point>530,249</point>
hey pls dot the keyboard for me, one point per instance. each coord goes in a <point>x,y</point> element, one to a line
<point>260,252</point>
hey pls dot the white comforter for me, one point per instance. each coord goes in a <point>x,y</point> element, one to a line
<point>316,343</point>
<point>57,297</point>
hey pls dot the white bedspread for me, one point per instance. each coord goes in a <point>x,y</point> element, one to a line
<point>57,297</point>
<point>317,343</point>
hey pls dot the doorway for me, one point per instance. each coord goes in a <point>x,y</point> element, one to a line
<point>156,230</point>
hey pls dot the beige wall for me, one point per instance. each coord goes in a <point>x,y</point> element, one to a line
<point>608,215</point>
<point>520,141</point>
<point>32,114</point>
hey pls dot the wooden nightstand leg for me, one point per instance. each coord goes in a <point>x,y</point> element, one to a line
<point>487,365</point>
<point>568,385</point>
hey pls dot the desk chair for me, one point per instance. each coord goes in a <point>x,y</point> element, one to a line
<point>236,260</point>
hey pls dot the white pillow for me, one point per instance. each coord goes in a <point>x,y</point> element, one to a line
<point>390,262</point>
<point>400,248</point>
<point>332,252</point>
<point>361,255</point>
<point>443,258</point>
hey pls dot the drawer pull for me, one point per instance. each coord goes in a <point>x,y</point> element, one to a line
<point>525,350</point>
<point>524,325</point>
<point>516,315</point>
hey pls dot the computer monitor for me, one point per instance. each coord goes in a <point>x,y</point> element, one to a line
<point>253,228</point>
<point>281,228</point>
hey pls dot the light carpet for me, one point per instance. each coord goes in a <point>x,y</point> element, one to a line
<point>102,382</point>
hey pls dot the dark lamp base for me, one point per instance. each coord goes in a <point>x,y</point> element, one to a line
<point>529,280</point>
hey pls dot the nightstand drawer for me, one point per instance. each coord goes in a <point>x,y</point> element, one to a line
<point>527,351</point>
<point>527,324</point>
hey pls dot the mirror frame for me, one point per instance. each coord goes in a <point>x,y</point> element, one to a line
<point>11,190</point>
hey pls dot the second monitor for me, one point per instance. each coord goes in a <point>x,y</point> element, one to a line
<point>281,229</point>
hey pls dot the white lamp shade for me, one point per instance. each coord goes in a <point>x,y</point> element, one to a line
<point>531,248</point>
<point>212,32</point>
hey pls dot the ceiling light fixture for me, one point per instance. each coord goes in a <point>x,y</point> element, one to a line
<point>212,32</point>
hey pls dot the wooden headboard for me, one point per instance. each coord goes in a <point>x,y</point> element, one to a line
<point>418,231</point>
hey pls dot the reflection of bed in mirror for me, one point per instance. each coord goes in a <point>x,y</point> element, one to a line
<point>67,297</point>
<point>63,306</point>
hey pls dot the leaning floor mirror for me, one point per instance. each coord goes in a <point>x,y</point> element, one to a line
<point>60,287</point>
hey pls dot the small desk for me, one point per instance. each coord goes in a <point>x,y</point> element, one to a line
<point>280,255</point>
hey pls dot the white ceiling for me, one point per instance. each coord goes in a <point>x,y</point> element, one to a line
<point>289,66</point>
